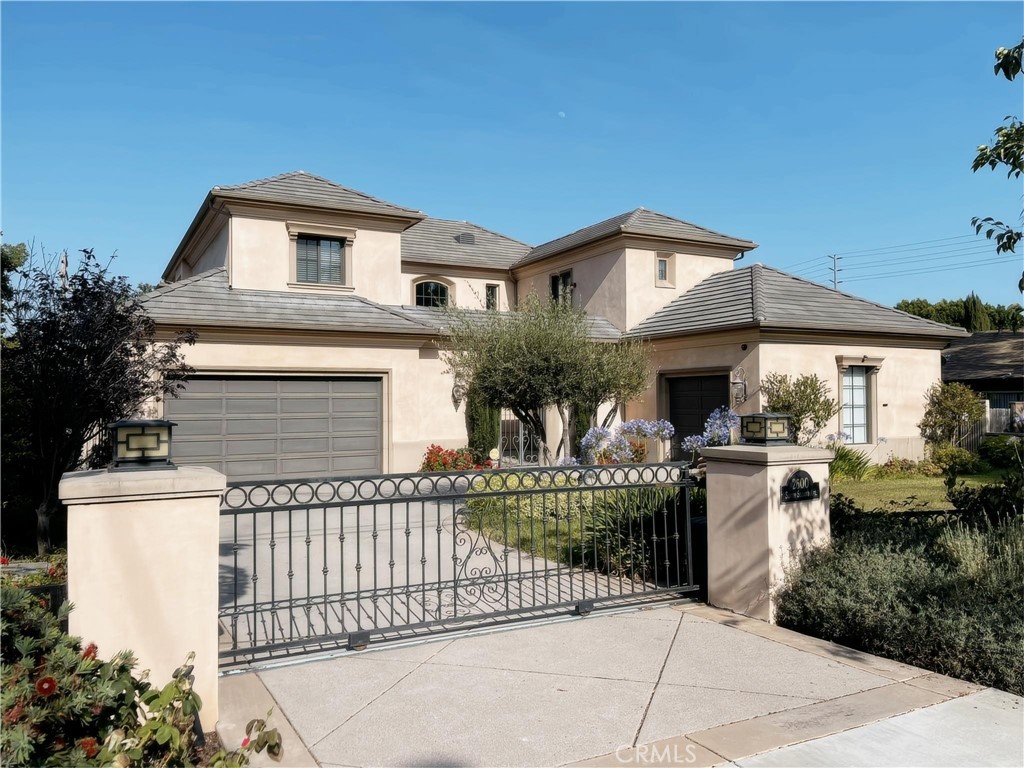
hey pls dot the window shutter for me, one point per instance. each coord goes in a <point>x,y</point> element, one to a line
<point>306,261</point>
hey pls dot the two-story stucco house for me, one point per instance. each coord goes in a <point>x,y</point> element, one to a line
<point>316,312</point>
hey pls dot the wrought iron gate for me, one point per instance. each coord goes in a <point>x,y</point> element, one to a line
<point>518,446</point>
<point>327,563</point>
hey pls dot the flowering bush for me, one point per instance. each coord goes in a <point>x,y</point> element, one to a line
<point>56,572</point>
<point>624,445</point>
<point>717,431</point>
<point>438,459</point>
<point>62,705</point>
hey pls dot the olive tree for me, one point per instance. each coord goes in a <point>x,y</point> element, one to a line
<point>79,352</point>
<point>950,410</point>
<point>539,356</point>
<point>807,399</point>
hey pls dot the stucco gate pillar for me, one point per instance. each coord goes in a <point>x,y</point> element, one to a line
<point>143,567</point>
<point>753,533</point>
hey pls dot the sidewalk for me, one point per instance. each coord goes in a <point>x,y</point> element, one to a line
<point>687,685</point>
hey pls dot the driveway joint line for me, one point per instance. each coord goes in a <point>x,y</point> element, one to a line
<point>654,690</point>
<point>371,701</point>
<point>279,710</point>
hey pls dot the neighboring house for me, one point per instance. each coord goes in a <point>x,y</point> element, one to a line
<point>989,362</point>
<point>316,308</point>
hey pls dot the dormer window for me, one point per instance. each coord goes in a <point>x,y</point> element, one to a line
<point>319,260</point>
<point>430,293</point>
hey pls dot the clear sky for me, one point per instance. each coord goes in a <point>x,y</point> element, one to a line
<point>809,128</point>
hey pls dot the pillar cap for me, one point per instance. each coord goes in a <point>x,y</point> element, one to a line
<point>98,486</point>
<point>767,455</point>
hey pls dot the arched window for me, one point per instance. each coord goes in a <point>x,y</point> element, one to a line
<point>431,294</point>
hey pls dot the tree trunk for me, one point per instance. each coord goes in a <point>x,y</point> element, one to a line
<point>563,442</point>
<point>610,416</point>
<point>43,514</point>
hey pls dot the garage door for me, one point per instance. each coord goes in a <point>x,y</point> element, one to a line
<point>254,428</point>
<point>691,399</point>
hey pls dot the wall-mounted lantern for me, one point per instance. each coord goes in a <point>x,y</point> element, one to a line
<point>458,395</point>
<point>738,387</point>
<point>141,444</point>
<point>766,429</point>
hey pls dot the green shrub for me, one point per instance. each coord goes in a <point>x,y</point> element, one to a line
<point>64,706</point>
<point>848,463</point>
<point>940,594</point>
<point>438,459</point>
<point>952,458</point>
<point>1001,451</point>
<point>483,426</point>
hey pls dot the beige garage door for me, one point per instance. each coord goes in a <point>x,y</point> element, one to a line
<point>262,427</point>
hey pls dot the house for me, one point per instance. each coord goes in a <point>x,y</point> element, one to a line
<point>989,362</point>
<point>316,309</point>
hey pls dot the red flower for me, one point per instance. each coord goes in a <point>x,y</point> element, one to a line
<point>46,686</point>
<point>245,742</point>
<point>90,651</point>
<point>51,571</point>
<point>5,561</point>
<point>42,602</point>
<point>89,746</point>
<point>59,744</point>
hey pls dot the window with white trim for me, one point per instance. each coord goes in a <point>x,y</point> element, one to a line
<point>491,296</point>
<point>854,416</point>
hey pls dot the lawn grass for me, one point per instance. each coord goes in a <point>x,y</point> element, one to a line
<point>925,492</point>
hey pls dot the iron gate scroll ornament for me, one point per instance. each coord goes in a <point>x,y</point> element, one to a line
<point>800,487</point>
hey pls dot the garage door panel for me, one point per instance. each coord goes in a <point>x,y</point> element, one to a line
<point>276,428</point>
<point>242,405</point>
<point>305,405</point>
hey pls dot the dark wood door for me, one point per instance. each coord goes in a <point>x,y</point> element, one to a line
<point>691,399</point>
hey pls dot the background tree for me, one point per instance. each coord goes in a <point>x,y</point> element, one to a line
<point>950,410</point>
<point>1006,151</point>
<point>540,356</point>
<point>77,356</point>
<point>976,316</point>
<point>12,258</point>
<point>955,312</point>
<point>807,399</point>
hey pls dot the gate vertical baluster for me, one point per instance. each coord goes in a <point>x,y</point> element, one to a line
<point>273,580</point>
<point>618,542</point>
<point>326,570</point>
<point>373,600</point>
<point>504,549</point>
<point>423,560</point>
<point>291,580</point>
<point>455,561</point>
<point>391,559</point>
<point>568,548</point>
<point>558,558</point>
<point>359,566</point>
<point>689,535</point>
<point>664,543</point>
<point>309,581</point>
<point>341,564</point>
<point>544,547</point>
<point>438,531</point>
<point>519,547</point>
<point>654,546</point>
<point>255,578</point>
<point>234,579</point>
<point>408,568</point>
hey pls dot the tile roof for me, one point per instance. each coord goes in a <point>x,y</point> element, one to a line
<point>984,355</point>
<point>301,188</point>
<point>205,300</point>
<point>759,296</point>
<point>600,328</point>
<point>433,241</point>
<point>636,222</point>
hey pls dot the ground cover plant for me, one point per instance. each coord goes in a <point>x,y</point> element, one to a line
<point>939,589</point>
<point>65,706</point>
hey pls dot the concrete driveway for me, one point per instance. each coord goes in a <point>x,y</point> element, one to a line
<point>687,685</point>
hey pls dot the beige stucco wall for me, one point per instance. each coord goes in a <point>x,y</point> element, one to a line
<point>261,258</point>
<point>600,279</point>
<point>468,291</point>
<point>417,405</point>
<point>904,376</point>
<point>720,353</point>
<point>645,295</point>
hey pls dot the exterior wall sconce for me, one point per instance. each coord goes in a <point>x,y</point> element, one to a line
<point>141,444</point>
<point>738,387</point>
<point>766,429</point>
<point>458,395</point>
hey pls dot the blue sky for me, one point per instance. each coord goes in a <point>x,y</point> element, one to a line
<point>809,128</point>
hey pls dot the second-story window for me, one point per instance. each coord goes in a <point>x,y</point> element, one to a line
<point>319,259</point>
<point>431,294</point>
<point>491,296</point>
<point>562,285</point>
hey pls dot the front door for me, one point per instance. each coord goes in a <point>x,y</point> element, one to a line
<point>691,399</point>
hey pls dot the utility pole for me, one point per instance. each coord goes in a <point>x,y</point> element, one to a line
<point>835,271</point>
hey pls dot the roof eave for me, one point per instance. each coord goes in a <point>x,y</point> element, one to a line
<point>401,214</point>
<point>203,211</point>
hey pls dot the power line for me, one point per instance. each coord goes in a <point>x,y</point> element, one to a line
<point>940,256</point>
<point>931,270</point>
<point>905,245</point>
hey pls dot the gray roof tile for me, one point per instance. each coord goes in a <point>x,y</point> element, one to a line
<point>600,328</point>
<point>301,188</point>
<point>636,222</point>
<point>984,355</point>
<point>433,241</point>
<point>759,296</point>
<point>205,300</point>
